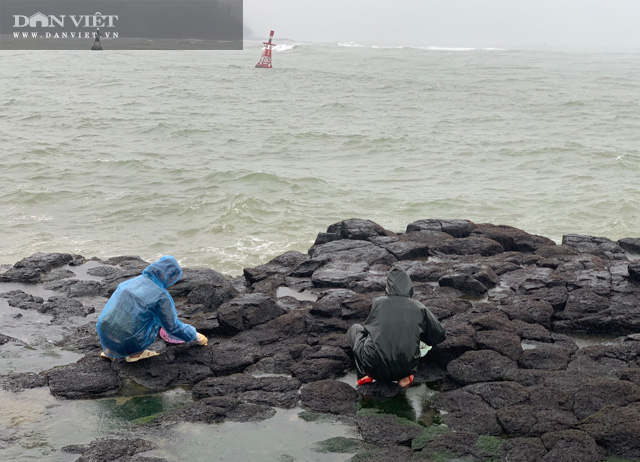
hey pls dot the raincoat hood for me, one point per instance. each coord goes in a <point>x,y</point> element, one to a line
<point>399,283</point>
<point>165,272</point>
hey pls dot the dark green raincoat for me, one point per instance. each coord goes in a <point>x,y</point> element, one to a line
<point>387,346</point>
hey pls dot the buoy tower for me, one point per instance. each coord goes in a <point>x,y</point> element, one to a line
<point>265,61</point>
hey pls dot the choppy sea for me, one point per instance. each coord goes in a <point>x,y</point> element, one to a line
<point>200,155</point>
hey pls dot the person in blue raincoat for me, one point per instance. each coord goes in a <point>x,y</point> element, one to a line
<point>133,316</point>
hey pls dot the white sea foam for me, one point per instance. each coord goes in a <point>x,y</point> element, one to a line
<point>448,48</point>
<point>285,47</point>
<point>350,44</point>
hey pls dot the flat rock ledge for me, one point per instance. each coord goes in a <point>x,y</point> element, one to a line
<point>514,384</point>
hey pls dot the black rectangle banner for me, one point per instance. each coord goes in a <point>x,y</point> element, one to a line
<point>121,24</point>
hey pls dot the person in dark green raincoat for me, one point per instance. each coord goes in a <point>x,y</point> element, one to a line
<point>387,346</point>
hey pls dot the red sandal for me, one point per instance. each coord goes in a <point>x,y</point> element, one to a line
<point>410,382</point>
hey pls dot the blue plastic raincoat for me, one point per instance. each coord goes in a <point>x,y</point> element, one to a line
<point>131,319</point>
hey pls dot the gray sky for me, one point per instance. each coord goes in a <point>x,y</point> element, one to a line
<point>538,24</point>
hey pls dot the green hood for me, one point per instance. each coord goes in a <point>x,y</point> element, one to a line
<point>399,283</point>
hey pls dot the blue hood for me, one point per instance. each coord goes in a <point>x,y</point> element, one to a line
<point>165,272</point>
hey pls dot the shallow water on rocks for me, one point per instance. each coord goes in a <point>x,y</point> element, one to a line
<point>40,425</point>
<point>581,340</point>
<point>35,349</point>
<point>587,340</point>
<point>415,404</point>
<point>303,295</point>
<point>284,437</point>
<point>37,334</point>
<point>16,358</point>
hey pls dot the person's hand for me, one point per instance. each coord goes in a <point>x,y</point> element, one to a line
<point>201,339</point>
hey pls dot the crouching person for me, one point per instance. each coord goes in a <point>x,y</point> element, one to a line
<point>138,309</point>
<point>387,346</point>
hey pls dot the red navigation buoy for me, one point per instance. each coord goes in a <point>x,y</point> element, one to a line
<point>265,61</point>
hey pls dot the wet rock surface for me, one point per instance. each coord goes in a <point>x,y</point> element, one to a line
<point>510,302</point>
<point>114,449</point>
<point>276,391</point>
<point>329,396</point>
<point>30,270</point>
<point>89,377</point>
<point>20,382</point>
<point>218,409</point>
<point>387,430</point>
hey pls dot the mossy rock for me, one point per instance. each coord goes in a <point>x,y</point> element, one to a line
<point>368,411</point>
<point>449,457</point>
<point>490,445</point>
<point>339,444</point>
<point>312,416</point>
<point>428,434</point>
<point>146,419</point>
<point>408,423</point>
<point>363,456</point>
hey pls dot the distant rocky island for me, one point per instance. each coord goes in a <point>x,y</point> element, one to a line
<point>541,360</point>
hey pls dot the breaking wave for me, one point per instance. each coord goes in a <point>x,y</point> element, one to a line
<point>285,47</point>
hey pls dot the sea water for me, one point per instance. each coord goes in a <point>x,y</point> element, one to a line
<point>200,155</point>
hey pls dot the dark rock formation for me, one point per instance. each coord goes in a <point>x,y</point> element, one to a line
<point>456,228</point>
<point>480,366</point>
<point>329,396</point>
<point>509,300</point>
<point>271,391</point>
<point>387,430</point>
<point>470,246</point>
<point>510,238</point>
<point>89,377</point>
<point>247,311</point>
<point>30,270</point>
<point>354,228</point>
<point>217,409</point>
<point>281,265</point>
<point>22,300</point>
<point>468,412</point>
<point>25,381</point>
<point>616,429</point>
<point>631,245</point>
<point>112,449</point>
<point>600,246</point>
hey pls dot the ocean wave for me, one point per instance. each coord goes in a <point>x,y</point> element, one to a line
<point>258,179</point>
<point>30,218</point>
<point>336,105</point>
<point>448,48</point>
<point>350,44</point>
<point>118,161</point>
<point>285,47</point>
<point>435,48</point>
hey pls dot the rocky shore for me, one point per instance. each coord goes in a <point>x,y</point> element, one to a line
<point>510,381</point>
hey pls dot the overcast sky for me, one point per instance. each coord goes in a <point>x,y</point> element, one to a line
<point>538,24</point>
